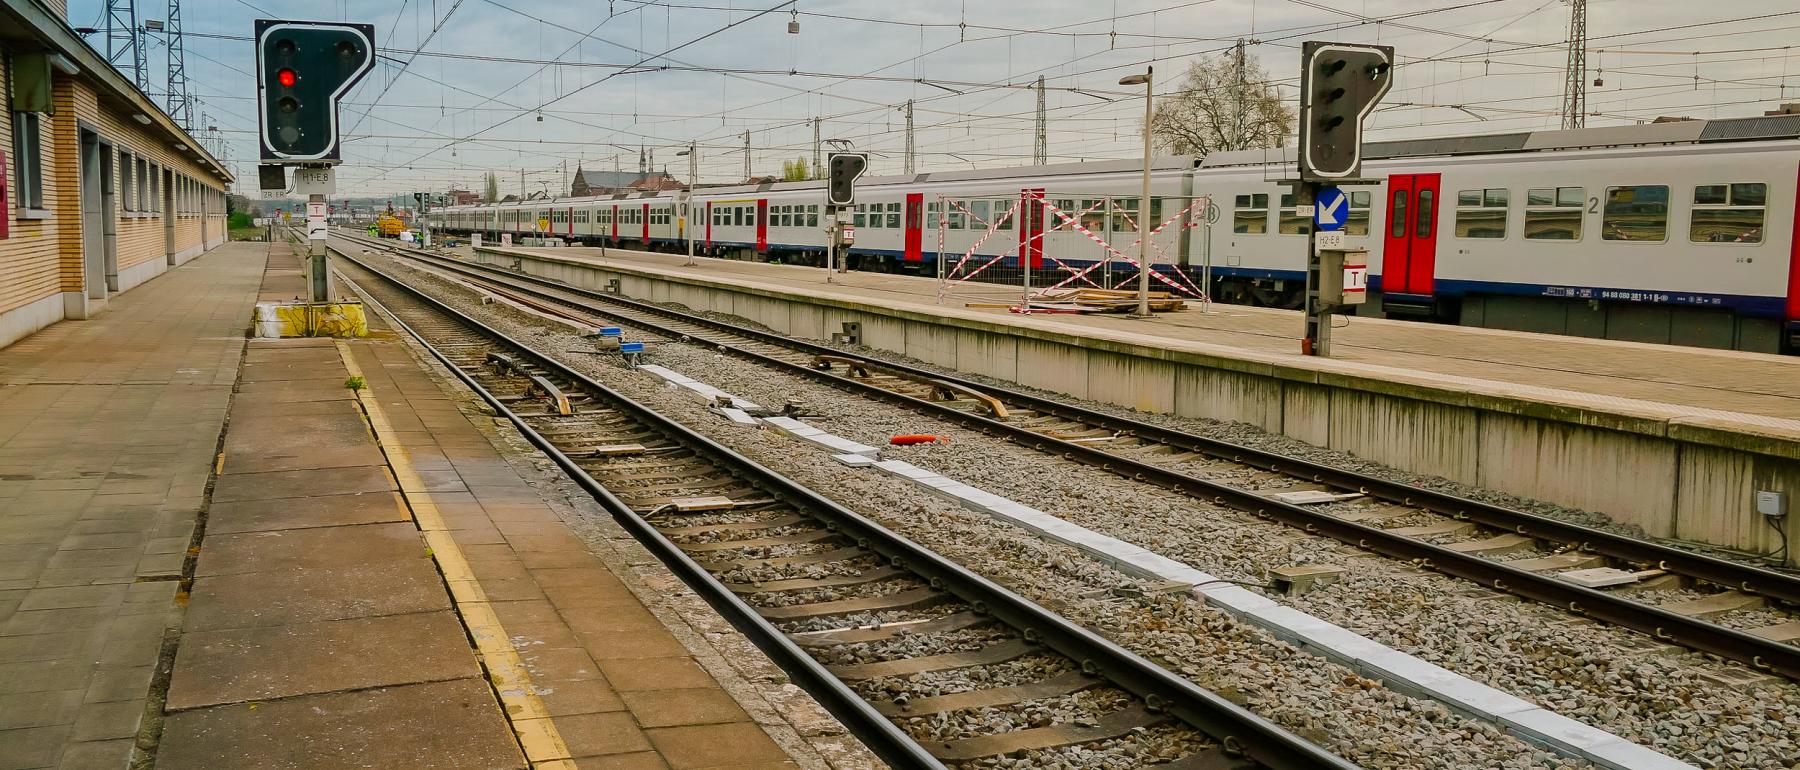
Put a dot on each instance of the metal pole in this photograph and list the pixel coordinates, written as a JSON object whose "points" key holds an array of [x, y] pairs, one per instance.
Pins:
{"points": [[1316, 339], [1143, 308], [831, 243], [1206, 297], [693, 181], [1030, 206]]}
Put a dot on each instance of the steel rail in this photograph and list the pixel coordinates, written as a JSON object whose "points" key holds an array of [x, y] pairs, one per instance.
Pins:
{"points": [[1662, 625], [1236, 728]]}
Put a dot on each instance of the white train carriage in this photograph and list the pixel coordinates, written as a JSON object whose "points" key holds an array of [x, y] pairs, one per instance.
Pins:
{"points": [[903, 222], [1676, 232], [1673, 232]]}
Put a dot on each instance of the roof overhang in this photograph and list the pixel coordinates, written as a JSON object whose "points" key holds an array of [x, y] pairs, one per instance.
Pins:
{"points": [[32, 22]]}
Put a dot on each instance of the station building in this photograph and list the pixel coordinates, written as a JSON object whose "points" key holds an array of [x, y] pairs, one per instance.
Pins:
{"points": [[102, 191]]}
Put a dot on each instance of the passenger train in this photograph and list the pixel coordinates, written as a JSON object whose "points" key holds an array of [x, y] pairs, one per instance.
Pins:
{"points": [[1678, 232]]}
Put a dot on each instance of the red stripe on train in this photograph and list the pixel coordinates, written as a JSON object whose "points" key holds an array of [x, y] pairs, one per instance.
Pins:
{"points": [[1793, 303]]}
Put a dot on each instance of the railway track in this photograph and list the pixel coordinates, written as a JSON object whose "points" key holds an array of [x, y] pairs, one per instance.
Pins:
{"points": [[1465, 538], [928, 663]]}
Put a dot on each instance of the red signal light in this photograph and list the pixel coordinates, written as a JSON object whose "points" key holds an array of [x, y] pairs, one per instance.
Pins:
{"points": [[286, 78]]}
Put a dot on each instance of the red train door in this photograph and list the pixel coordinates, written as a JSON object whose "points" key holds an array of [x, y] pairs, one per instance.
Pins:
{"points": [[571, 222], [1793, 299], [615, 224], [1031, 227], [709, 224], [762, 225], [914, 220], [1409, 259], [646, 218]]}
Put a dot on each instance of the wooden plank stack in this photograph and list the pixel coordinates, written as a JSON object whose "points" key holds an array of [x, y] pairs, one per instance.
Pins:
{"points": [[1090, 301]]}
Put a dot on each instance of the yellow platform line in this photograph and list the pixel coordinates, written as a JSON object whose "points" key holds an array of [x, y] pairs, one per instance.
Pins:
{"points": [[531, 724]]}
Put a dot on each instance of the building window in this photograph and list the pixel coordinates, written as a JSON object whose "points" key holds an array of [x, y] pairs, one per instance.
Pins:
{"points": [[27, 151], [1290, 221], [1251, 215], [1481, 213], [1729, 213], [1554, 213], [1636, 213], [127, 198], [143, 185]]}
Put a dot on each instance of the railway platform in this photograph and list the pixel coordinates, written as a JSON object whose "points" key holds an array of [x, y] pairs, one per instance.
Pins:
{"points": [[1674, 440], [219, 555]]}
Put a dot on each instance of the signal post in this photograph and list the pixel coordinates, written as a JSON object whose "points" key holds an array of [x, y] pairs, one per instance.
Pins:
{"points": [[844, 168], [1340, 83], [303, 69]]}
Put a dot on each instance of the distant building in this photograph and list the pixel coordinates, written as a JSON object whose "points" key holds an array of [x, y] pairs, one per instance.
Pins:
{"points": [[1791, 108], [463, 197], [610, 182]]}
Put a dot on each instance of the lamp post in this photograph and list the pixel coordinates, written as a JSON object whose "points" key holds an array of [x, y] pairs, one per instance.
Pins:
{"points": [[687, 225], [1143, 308]]}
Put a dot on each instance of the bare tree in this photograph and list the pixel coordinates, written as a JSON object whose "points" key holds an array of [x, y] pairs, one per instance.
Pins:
{"points": [[492, 183], [1226, 103]]}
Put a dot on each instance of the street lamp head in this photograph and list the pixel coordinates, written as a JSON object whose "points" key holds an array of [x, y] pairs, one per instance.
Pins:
{"points": [[1134, 80]]}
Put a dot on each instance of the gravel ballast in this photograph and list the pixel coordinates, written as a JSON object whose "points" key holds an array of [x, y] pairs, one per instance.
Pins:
{"points": [[1534, 652]]}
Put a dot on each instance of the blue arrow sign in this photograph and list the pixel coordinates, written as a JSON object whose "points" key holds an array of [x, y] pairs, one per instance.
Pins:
{"points": [[1330, 208]]}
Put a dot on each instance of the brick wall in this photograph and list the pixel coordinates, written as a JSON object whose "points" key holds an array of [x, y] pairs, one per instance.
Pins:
{"points": [[42, 257]]}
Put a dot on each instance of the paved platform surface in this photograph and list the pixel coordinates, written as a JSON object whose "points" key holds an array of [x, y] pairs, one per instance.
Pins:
{"points": [[374, 585], [1763, 389], [377, 587], [108, 429]]}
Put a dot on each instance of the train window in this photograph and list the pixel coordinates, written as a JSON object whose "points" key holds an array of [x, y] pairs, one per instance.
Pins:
{"points": [[1291, 222], [1397, 214], [1554, 214], [1636, 213], [1427, 212], [979, 215], [859, 216], [812, 215], [933, 219], [1251, 214], [1124, 213], [1728, 213], [1481, 214], [893, 216], [1358, 221], [1055, 221]]}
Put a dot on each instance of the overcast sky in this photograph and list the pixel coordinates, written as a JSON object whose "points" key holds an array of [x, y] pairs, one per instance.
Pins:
{"points": [[1467, 66]]}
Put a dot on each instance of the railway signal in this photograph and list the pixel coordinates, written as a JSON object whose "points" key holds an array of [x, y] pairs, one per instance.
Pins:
{"points": [[1339, 86], [846, 168], [303, 68]]}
